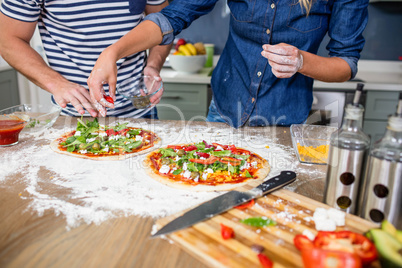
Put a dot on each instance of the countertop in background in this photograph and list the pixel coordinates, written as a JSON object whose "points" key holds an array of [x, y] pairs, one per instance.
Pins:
{"points": [[376, 75]]}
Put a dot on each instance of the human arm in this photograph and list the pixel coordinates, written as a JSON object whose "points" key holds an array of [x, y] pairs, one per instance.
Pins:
{"points": [[286, 60], [154, 30], [15, 36]]}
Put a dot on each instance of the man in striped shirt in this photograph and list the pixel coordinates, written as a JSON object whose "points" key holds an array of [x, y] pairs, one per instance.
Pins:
{"points": [[73, 34]]}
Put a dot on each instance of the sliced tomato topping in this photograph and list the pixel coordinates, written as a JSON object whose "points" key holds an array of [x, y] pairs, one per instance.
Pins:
{"points": [[230, 160], [265, 261], [226, 232], [205, 155], [176, 147], [190, 148]]}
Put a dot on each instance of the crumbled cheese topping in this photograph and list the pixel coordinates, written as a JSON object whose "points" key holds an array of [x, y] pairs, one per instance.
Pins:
{"points": [[187, 174], [77, 133], [83, 151], [90, 140], [138, 138], [164, 169]]}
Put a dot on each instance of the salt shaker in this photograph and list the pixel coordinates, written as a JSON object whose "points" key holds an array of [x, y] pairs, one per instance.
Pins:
{"points": [[382, 197], [347, 154]]}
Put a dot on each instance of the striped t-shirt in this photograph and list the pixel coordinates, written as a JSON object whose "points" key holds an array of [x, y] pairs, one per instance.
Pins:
{"points": [[74, 33]]}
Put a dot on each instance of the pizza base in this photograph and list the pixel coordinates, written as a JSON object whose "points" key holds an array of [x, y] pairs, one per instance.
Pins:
{"points": [[261, 174], [54, 145]]}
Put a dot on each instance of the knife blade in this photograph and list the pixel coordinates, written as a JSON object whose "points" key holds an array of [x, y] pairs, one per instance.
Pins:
{"points": [[225, 202]]}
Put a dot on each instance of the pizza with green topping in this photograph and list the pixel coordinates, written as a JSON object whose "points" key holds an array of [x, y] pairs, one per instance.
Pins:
{"points": [[205, 167], [91, 140]]}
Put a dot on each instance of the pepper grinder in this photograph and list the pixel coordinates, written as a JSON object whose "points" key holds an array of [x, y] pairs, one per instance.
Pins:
{"points": [[382, 197], [347, 153]]}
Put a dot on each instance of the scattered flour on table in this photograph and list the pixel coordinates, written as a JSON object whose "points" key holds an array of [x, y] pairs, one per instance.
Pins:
{"points": [[87, 191]]}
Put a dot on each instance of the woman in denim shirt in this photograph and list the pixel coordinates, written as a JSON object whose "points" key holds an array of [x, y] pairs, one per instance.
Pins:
{"points": [[248, 88]]}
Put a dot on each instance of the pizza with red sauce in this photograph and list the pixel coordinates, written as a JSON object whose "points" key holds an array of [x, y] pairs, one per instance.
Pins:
{"points": [[92, 140], [205, 167]]}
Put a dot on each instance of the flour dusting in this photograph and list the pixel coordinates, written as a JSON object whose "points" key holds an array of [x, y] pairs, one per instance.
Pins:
{"points": [[90, 192]]}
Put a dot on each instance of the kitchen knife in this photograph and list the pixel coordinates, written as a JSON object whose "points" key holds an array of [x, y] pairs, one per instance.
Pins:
{"points": [[225, 202]]}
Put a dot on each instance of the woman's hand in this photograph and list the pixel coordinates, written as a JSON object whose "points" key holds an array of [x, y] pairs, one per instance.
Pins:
{"points": [[154, 72], [104, 72], [285, 60]]}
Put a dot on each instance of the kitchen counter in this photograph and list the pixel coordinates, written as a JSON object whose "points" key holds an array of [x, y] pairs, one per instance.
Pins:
{"points": [[35, 235], [377, 75]]}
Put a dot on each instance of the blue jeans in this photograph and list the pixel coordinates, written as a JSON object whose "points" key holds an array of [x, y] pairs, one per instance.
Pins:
{"points": [[213, 114]]}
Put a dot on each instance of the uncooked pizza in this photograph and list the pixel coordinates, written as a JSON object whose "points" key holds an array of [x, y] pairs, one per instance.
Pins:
{"points": [[92, 140], [205, 167]]}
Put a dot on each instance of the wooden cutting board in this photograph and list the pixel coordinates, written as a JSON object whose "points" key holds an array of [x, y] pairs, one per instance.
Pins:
{"points": [[293, 214]]}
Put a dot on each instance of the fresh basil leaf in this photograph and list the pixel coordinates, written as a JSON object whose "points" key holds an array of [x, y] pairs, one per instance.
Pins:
{"points": [[192, 167], [119, 126], [70, 139], [221, 153], [167, 152], [231, 168], [70, 148], [200, 146], [258, 222], [116, 150], [134, 132], [177, 171], [248, 175]]}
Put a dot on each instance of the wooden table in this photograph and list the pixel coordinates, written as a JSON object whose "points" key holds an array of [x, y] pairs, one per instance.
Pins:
{"points": [[28, 240]]}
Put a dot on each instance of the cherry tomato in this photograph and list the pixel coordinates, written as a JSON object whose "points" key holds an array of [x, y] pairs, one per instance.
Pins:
{"points": [[265, 261], [227, 232], [108, 98]]}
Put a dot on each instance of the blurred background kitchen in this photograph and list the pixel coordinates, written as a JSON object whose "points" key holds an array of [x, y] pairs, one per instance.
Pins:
{"points": [[380, 68]]}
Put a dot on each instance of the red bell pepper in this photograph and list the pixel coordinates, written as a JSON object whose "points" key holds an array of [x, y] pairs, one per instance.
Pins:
{"points": [[302, 242], [216, 145], [246, 205], [175, 147], [210, 160], [190, 148], [110, 132], [201, 154], [230, 160], [361, 245], [108, 98], [265, 261], [242, 151], [233, 149], [321, 258], [227, 232]]}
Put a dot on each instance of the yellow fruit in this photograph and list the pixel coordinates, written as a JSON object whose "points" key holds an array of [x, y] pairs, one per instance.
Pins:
{"points": [[183, 49], [200, 48], [192, 49]]}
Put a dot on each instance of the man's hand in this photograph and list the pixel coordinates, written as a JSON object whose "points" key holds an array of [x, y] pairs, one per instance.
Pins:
{"points": [[285, 60], [75, 94]]}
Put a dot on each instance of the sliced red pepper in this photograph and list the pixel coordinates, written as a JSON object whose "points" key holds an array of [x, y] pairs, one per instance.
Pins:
{"points": [[320, 258], [242, 151], [302, 242], [123, 132], [201, 154], [226, 232], [210, 160], [246, 205], [233, 149], [230, 160], [190, 148], [110, 132], [108, 98], [224, 147], [265, 261], [362, 246]]}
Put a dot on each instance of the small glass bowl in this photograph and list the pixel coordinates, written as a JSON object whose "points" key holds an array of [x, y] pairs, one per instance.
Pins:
{"points": [[311, 142], [12, 121], [42, 116], [140, 90]]}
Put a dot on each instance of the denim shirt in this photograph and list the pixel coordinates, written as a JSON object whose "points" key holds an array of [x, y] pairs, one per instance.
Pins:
{"points": [[244, 87]]}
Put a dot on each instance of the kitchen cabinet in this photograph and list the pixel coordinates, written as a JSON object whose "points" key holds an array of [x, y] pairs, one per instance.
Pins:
{"points": [[184, 101], [8, 88], [379, 105]]}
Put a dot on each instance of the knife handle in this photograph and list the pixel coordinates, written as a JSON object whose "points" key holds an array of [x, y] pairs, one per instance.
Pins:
{"points": [[277, 182]]}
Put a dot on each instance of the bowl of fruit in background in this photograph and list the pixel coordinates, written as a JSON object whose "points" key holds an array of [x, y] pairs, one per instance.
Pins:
{"points": [[188, 57]]}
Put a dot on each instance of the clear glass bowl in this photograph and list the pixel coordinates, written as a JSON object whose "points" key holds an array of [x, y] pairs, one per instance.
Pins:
{"points": [[140, 90], [42, 116], [12, 121], [311, 142]]}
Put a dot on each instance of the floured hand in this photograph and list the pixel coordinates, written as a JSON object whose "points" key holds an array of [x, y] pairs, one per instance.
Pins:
{"points": [[78, 96], [285, 60]]}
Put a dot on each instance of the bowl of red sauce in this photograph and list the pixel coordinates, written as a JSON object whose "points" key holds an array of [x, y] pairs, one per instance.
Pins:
{"points": [[12, 121]]}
